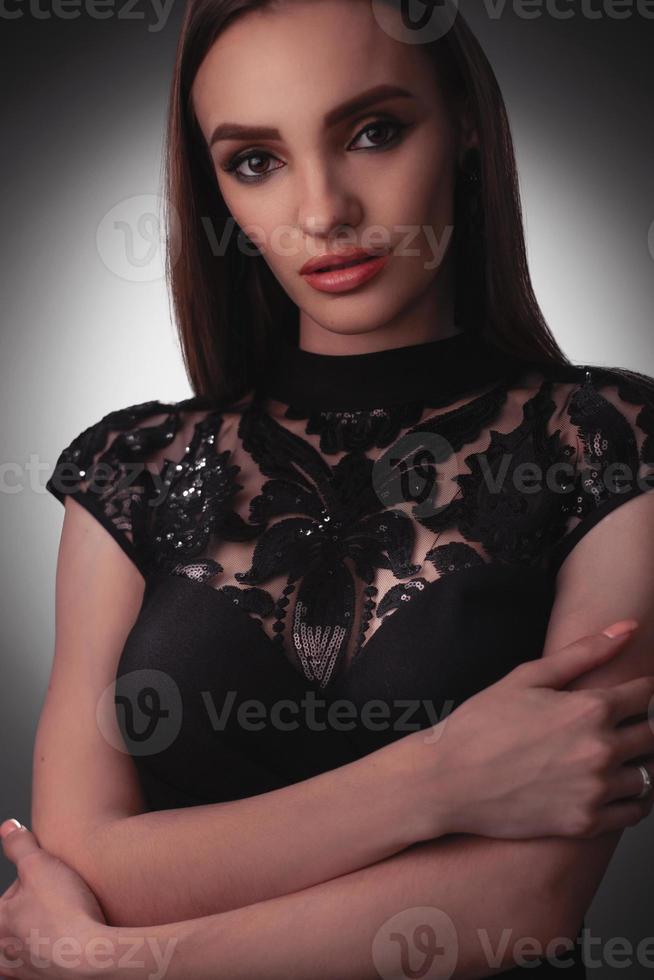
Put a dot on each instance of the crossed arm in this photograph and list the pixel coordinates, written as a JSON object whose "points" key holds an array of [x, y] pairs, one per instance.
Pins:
{"points": [[538, 888], [467, 906]]}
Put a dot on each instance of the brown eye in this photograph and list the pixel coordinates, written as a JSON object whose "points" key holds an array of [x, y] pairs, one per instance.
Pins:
{"points": [[382, 126], [259, 158], [377, 128], [258, 168]]}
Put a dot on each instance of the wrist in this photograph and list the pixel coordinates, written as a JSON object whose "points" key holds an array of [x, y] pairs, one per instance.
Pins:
{"points": [[143, 951], [434, 799], [99, 953]]}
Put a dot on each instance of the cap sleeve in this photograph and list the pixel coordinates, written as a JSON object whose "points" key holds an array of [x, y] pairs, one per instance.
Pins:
{"points": [[109, 468], [608, 423]]}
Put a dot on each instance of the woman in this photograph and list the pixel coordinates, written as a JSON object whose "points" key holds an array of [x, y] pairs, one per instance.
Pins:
{"points": [[378, 500]]}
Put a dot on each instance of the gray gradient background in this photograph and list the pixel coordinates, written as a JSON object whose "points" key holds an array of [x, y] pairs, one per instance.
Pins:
{"points": [[84, 103]]}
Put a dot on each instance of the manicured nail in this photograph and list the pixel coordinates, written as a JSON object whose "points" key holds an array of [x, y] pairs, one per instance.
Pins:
{"points": [[620, 628], [6, 830]]}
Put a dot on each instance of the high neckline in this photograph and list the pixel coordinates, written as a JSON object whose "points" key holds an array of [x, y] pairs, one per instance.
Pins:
{"points": [[433, 373]]}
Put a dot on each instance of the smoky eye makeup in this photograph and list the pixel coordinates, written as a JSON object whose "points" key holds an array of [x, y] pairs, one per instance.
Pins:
{"points": [[387, 123]]}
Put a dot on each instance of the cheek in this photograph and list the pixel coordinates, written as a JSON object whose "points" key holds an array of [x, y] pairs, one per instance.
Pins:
{"points": [[416, 192], [250, 212], [429, 212]]}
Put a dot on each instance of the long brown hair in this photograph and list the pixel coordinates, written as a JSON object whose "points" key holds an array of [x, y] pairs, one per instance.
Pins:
{"points": [[228, 307]]}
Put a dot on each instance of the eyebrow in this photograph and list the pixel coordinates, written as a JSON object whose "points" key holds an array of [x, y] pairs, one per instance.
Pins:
{"points": [[235, 131]]}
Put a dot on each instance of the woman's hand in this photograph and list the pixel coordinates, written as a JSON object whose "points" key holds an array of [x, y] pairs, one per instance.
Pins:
{"points": [[524, 759], [50, 920]]}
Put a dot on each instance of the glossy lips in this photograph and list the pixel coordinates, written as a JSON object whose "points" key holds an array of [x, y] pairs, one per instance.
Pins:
{"points": [[362, 267]]}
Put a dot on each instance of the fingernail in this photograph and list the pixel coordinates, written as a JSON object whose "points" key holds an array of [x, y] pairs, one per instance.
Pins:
{"points": [[620, 628], [10, 829]]}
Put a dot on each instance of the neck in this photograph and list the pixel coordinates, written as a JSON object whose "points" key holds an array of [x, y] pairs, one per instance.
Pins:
{"points": [[433, 373]]}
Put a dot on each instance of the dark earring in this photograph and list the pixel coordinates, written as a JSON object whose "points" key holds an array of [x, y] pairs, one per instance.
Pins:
{"points": [[469, 245]]}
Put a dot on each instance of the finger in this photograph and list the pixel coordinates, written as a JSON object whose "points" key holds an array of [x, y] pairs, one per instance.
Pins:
{"points": [[8, 826], [633, 740], [561, 667], [19, 844], [617, 816], [633, 697], [627, 782]]}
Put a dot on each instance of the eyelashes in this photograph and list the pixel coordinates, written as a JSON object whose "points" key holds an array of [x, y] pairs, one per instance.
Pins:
{"points": [[381, 122]]}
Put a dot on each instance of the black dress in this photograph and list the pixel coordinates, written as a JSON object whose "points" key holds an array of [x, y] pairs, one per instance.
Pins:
{"points": [[383, 528]]}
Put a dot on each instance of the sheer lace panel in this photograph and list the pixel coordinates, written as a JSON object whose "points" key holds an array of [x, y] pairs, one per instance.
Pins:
{"points": [[320, 525], [607, 419], [113, 468]]}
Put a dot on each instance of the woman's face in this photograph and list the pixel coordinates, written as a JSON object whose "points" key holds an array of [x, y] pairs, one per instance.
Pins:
{"points": [[380, 178]]}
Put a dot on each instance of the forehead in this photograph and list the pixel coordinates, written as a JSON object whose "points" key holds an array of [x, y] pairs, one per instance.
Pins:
{"points": [[301, 58]]}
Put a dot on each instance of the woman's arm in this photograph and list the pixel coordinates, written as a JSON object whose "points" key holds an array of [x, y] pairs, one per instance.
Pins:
{"points": [[167, 856], [609, 573], [468, 904], [182, 863]]}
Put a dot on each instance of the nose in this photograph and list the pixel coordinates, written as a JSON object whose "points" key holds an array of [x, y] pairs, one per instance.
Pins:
{"points": [[327, 205]]}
